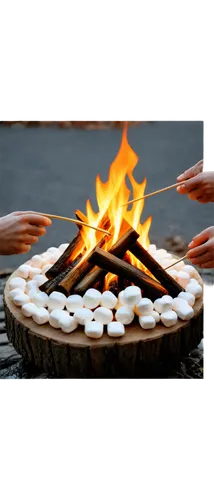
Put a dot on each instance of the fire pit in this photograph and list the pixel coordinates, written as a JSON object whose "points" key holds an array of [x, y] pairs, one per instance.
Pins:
{"points": [[105, 306]]}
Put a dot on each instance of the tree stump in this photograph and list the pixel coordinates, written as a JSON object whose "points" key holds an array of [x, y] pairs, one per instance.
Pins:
{"points": [[139, 353]]}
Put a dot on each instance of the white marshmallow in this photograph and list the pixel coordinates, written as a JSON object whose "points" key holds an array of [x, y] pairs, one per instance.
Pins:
{"points": [[34, 271], [183, 278], [179, 266], [40, 279], [91, 299], [67, 323], [173, 273], [46, 268], [190, 270], [195, 289], [63, 247], [21, 298], [115, 329], [193, 281], [14, 292], [94, 329], [103, 315], [145, 306], [155, 315], [56, 316], [52, 250], [83, 315], [168, 256], [178, 302], [165, 263], [169, 318], [37, 261], [189, 297], [41, 316], [161, 252], [54, 256], [74, 302], [147, 322], [17, 283], [108, 300], [185, 312], [125, 315], [29, 309], [152, 249], [23, 271], [132, 295], [39, 298], [31, 285], [121, 298], [164, 304], [56, 300]]}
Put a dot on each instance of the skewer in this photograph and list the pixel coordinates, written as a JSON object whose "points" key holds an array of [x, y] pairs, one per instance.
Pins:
{"points": [[76, 221], [172, 265], [153, 193]]}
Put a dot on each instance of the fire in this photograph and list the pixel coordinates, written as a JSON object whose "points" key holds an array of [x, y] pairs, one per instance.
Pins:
{"points": [[111, 195]]}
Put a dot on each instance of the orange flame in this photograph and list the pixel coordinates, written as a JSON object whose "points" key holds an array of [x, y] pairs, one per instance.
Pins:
{"points": [[111, 195]]}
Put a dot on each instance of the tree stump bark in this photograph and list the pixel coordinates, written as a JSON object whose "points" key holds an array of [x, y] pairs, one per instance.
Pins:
{"points": [[139, 353]]}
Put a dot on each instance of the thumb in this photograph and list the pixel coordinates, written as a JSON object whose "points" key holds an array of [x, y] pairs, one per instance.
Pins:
{"points": [[199, 239], [191, 172]]}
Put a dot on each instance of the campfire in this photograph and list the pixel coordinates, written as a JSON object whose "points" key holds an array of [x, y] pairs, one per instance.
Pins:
{"points": [[107, 279]]}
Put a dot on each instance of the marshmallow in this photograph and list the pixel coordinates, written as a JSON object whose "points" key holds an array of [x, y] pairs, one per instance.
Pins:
{"points": [[74, 302], [169, 318], [173, 273], [46, 268], [31, 285], [132, 295], [54, 256], [185, 312], [23, 271], [94, 329], [56, 316], [108, 300], [14, 292], [195, 289], [190, 270], [41, 316], [152, 249], [164, 304], [52, 250], [37, 261], [21, 298], [161, 252], [120, 300], [155, 315], [115, 329], [56, 300], [29, 309], [125, 315], [166, 262], [189, 297], [91, 299], [145, 306], [63, 247], [39, 298], [40, 279], [147, 322], [17, 283], [33, 271], [83, 315], [193, 281], [179, 265], [67, 323], [183, 278], [178, 302], [103, 315]]}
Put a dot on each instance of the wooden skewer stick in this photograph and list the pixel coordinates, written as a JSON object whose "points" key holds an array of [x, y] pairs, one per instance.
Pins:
{"points": [[76, 221], [172, 265], [153, 193]]}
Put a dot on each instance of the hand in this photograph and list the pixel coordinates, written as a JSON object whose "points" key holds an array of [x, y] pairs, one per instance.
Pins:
{"points": [[20, 230], [191, 172], [200, 187], [202, 249]]}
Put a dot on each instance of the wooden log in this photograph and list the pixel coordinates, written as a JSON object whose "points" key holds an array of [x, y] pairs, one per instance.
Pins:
{"points": [[117, 266], [52, 285], [64, 259], [97, 274], [113, 286], [74, 275], [155, 268]]}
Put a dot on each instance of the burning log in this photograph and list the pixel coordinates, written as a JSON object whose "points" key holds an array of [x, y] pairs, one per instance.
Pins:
{"points": [[97, 274], [62, 263], [113, 286], [52, 285], [155, 268], [113, 264]]}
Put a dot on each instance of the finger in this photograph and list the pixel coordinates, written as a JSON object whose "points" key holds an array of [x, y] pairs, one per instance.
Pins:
{"points": [[191, 172], [189, 185], [195, 194], [200, 238], [36, 230], [36, 219], [198, 250], [208, 265], [201, 259], [23, 248], [29, 239]]}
